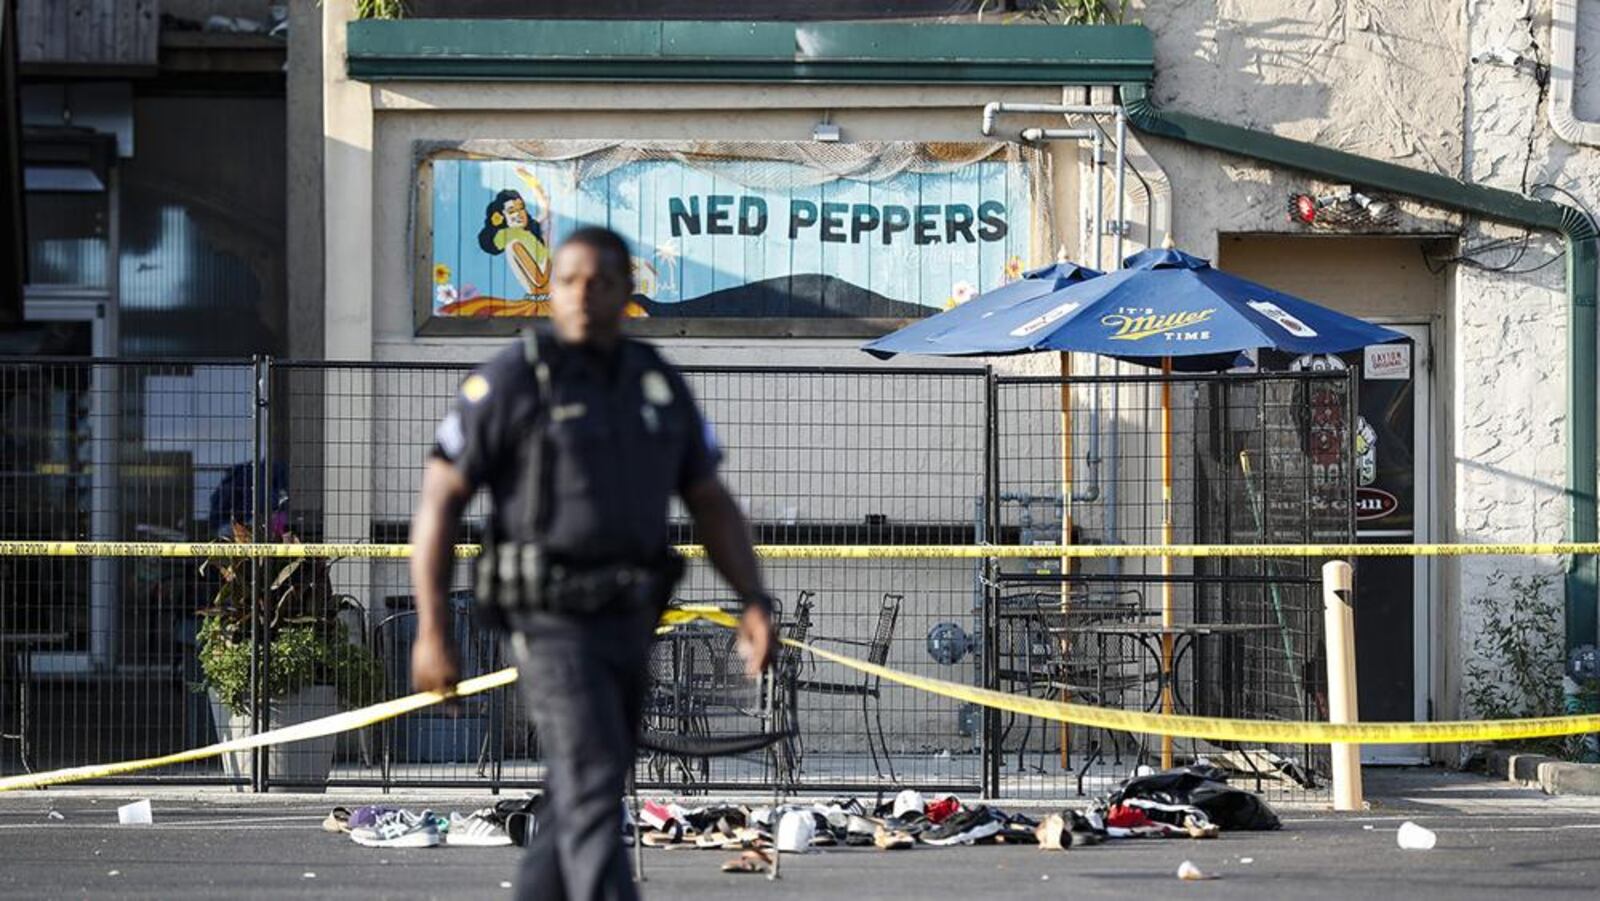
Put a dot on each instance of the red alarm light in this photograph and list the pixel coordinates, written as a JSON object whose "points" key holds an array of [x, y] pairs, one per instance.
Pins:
{"points": [[1303, 209]]}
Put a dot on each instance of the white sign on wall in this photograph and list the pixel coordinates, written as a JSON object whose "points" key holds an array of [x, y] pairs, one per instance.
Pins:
{"points": [[1388, 361]]}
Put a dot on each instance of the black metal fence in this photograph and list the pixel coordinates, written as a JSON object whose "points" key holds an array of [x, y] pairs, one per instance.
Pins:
{"points": [[107, 658]]}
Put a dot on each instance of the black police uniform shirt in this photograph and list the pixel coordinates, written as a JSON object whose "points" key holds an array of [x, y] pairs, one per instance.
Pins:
{"points": [[623, 434]]}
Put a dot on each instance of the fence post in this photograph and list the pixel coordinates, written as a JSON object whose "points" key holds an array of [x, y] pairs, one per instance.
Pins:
{"points": [[991, 594], [1338, 620], [260, 532]]}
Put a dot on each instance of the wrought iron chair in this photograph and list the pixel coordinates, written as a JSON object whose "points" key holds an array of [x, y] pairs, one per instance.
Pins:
{"points": [[868, 688], [787, 755]]}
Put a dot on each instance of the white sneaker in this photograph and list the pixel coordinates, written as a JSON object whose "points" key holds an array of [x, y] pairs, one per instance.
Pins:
{"points": [[399, 829], [478, 829]]}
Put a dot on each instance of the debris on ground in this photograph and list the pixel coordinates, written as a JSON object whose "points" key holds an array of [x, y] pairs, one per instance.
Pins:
{"points": [[1188, 872], [136, 814], [1194, 802], [753, 861], [1412, 837]]}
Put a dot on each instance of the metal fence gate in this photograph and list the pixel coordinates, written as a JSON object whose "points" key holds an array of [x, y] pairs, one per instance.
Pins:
{"points": [[106, 658]]}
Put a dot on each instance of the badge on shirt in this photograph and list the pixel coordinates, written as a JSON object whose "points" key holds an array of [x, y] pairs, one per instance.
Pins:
{"points": [[475, 388], [656, 389]]}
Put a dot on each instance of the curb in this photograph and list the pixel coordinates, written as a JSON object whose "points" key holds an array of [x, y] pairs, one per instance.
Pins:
{"points": [[1552, 776]]}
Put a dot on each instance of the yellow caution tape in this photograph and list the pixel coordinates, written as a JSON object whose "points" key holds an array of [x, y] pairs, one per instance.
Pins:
{"points": [[328, 725], [1207, 727], [822, 551], [1178, 726]]}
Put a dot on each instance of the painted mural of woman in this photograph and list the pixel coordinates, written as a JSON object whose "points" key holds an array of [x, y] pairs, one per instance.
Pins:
{"points": [[510, 228]]}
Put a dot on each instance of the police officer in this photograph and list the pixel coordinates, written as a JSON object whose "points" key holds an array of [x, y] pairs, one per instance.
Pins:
{"points": [[581, 436]]}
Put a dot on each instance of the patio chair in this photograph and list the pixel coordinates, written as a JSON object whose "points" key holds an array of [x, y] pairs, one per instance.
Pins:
{"points": [[787, 755], [779, 738], [867, 689]]}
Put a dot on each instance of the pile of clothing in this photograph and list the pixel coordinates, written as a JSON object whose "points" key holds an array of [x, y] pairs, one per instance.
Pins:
{"points": [[383, 826], [1193, 801]]}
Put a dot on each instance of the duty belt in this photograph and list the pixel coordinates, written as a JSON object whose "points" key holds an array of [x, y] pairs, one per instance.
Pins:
{"points": [[517, 577]]}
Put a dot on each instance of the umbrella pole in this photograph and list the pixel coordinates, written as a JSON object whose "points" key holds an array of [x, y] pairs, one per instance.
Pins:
{"points": [[1168, 620], [1066, 534]]}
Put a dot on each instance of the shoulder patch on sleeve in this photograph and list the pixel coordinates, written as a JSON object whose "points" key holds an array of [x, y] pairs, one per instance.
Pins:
{"points": [[475, 388], [452, 441]]}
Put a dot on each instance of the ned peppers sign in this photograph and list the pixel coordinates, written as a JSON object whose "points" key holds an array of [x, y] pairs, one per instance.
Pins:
{"points": [[733, 238]]}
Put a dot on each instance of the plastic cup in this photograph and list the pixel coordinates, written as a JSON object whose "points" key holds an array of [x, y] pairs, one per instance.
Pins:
{"points": [[1412, 837], [136, 814]]}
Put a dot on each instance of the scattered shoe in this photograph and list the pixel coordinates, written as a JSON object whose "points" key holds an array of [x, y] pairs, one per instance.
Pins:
{"points": [[1017, 829], [1198, 826], [908, 801], [942, 809], [892, 839], [860, 831], [964, 828], [797, 829], [367, 815], [670, 837], [338, 820], [1053, 834], [1084, 830], [752, 861], [399, 829], [479, 829]]}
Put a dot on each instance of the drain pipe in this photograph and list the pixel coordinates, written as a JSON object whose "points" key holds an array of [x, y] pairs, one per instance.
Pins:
{"points": [[1564, 119], [1097, 144], [992, 110], [1582, 242]]}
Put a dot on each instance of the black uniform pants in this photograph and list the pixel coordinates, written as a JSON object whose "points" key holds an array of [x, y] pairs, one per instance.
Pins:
{"points": [[584, 679]]}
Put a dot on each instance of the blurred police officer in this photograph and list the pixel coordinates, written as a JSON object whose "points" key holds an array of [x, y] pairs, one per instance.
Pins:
{"points": [[582, 436]]}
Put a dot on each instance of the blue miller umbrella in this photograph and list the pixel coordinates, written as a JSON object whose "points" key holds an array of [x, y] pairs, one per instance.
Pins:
{"points": [[1165, 304], [981, 326], [1163, 308]]}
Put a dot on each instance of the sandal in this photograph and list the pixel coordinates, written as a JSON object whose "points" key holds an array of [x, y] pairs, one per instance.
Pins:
{"points": [[892, 839], [338, 820], [670, 838], [1053, 834], [753, 861]]}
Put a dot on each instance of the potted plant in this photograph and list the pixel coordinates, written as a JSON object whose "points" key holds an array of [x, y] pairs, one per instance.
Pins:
{"points": [[312, 668]]}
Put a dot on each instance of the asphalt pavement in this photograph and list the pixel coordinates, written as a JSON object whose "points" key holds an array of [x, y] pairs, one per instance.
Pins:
{"points": [[1494, 841]]}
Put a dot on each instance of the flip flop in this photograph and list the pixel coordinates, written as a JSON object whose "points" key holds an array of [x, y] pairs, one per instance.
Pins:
{"points": [[673, 838], [750, 862], [892, 839], [338, 820], [1053, 834]]}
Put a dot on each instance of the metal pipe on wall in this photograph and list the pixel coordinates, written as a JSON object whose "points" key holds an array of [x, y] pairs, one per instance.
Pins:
{"points": [[993, 109]]}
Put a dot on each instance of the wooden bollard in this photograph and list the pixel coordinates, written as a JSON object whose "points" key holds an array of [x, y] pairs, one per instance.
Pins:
{"points": [[1338, 622]]}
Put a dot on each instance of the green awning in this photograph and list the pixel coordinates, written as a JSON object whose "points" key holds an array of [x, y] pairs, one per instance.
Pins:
{"points": [[852, 52]]}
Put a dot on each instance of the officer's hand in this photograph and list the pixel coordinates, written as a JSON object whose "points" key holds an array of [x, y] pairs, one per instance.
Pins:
{"points": [[756, 640], [433, 663]]}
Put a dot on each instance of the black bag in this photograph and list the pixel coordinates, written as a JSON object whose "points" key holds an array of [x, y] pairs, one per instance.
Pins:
{"points": [[1207, 788]]}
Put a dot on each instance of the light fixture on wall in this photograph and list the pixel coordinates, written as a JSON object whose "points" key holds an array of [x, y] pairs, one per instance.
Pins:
{"points": [[1511, 59], [826, 132], [1344, 208]]}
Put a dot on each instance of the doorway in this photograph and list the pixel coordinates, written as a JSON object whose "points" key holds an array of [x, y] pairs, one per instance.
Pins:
{"points": [[1384, 280]]}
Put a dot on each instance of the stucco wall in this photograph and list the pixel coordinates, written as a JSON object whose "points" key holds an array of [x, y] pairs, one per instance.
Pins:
{"points": [[1511, 466], [1393, 81]]}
